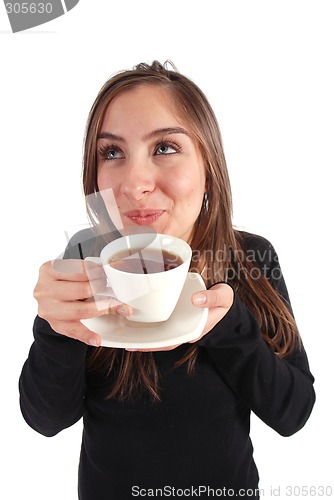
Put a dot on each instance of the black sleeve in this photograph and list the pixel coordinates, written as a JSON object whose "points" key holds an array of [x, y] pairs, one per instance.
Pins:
{"points": [[278, 390], [52, 382]]}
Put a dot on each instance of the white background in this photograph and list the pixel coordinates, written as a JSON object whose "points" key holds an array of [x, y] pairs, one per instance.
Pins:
{"points": [[267, 68]]}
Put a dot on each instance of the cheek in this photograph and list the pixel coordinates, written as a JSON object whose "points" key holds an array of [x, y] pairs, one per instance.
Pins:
{"points": [[189, 188], [105, 180], [102, 180]]}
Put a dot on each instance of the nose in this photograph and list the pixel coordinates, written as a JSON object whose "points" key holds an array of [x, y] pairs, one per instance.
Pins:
{"points": [[139, 180]]}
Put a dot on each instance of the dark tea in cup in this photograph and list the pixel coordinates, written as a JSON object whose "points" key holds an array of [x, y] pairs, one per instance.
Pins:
{"points": [[148, 261], [135, 266]]}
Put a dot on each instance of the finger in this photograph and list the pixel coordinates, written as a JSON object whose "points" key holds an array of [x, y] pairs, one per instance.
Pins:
{"points": [[111, 306], [77, 310], [94, 271], [92, 308], [73, 270], [75, 290], [77, 331], [220, 295]]}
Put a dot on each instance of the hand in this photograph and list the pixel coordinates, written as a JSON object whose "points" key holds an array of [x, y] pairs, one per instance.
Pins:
{"points": [[67, 291], [218, 299]]}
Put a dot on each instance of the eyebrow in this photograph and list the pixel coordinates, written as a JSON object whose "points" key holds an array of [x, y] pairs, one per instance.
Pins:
{"points": [[166, 130], [150, 135]]}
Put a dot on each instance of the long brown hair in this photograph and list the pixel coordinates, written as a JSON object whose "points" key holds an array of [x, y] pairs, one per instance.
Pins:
{"points": [[213, 234]]}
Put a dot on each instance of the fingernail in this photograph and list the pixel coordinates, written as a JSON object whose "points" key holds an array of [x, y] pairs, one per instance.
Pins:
{"points": [[93, 342], [123, 310], [199, 299]]}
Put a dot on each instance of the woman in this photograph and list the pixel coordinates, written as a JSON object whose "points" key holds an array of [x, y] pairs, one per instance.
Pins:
{"points": [[178, 418]]}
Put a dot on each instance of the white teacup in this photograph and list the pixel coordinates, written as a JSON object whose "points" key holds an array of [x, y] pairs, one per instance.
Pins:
{"points": [[136, 265]]}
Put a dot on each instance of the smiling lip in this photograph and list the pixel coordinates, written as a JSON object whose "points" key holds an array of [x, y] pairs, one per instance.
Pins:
{"points": [[144, 217]]}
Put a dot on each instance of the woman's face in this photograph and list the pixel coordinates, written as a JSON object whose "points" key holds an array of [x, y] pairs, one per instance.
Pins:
{"points": [[147, 156]]}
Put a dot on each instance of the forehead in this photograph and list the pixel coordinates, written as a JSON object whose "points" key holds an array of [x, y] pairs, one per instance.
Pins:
{"points": [[143, 106]]}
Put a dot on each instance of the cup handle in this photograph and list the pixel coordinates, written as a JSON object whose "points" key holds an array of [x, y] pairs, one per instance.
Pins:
{"points": [[97, 260], [108, 291]]}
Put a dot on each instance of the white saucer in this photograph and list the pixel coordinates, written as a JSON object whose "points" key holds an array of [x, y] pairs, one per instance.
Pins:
{"points": [[185, 324]]}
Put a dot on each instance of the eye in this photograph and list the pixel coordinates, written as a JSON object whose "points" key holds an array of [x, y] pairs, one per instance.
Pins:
{"points": [[110, 153], [167, 148]]}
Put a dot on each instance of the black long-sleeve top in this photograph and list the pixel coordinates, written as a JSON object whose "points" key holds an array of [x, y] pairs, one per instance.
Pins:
{"points": [[196, 439]]}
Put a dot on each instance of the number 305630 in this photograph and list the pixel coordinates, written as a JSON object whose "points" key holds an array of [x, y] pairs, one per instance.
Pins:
{"points": [[29, 8]]}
